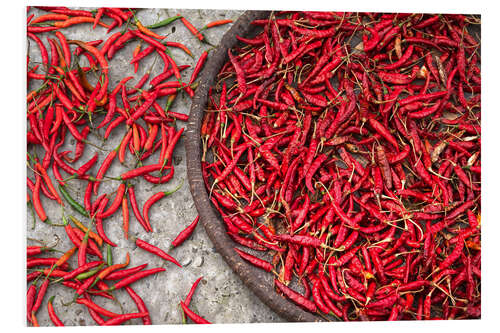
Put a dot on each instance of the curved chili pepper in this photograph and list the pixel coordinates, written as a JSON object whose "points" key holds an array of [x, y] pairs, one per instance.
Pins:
{"points": [[52, 314], [142, 54], [81, 269], [33, 262], [116, 202], [167, 156], [143, 108], [141, 306], [155, 250], [102, 62], [198, 67], [39, 297], [146, 31], [134, 277], [72, 202], [295, 297], [120, 274], [77, 20], [149, 40], [124, 317], [96, 307], [193, 316], [30, 299], [255, 261], [184, 234], [98, 222], [216, 24], [240, 74], [191, 28], [370, 44], [312, 170], [37, 204]]}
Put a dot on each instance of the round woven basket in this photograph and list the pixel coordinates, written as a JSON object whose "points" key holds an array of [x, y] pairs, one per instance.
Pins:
{"points": [[260, 282]]}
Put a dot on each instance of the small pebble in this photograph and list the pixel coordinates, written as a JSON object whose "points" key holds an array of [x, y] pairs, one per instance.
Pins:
{"points": [[198, 261], [186, 261]]}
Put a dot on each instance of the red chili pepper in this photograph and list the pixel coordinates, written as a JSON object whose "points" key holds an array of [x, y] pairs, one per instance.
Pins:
{"points": [[198, 67], [268, 267], [191, 28], [295, 297], [81, 269], [369, 45], [33, 262], [134, 277], [77, 20], [240, 74], [98, 222], [157, 251], [37, 204], [167, 156], [304, 48], [65, 48], [379, 128], [96, 307], [43, 50], [141, 306], [189, 296], [52, 314], [135, 208], [184, 234], [312, 170], [193, 316], [303, 240], [123, 273], [47, 180], [116, 203], [143, 108], [40, 296], [124, 317], [216, 24], [30, 299]]}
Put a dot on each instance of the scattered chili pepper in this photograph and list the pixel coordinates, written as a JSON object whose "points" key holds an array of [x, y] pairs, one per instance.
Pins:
{"points": [[184, 234], [155, 250], [191, 28], [193, 316]]}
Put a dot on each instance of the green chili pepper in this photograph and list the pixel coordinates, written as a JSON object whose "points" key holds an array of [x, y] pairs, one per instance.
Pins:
{"points": [[170, 101], [72, 202], [109, 257], [184, 321], [164, 22], [86, 275], [65, 220]]}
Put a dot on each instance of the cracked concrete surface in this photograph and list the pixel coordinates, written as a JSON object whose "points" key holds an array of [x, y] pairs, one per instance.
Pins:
{"points": [[221, 297]]}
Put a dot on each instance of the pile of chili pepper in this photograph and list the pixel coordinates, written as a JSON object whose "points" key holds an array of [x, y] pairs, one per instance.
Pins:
{"points": [[342, 151], [66, 104]]}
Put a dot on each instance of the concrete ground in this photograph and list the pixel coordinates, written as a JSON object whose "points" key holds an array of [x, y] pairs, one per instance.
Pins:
{"points": [[221, 297]]}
